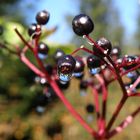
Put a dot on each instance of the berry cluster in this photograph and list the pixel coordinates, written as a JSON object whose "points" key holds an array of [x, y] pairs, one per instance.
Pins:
{"points": [[104, 63]]}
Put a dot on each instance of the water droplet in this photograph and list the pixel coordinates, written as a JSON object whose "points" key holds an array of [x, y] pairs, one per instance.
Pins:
{"points": [[77, 74], [42, 56], [64, 77], [40, 109], [95, 70]]}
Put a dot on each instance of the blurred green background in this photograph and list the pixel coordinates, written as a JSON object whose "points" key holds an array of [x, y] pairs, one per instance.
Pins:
{"points": [[19, 118]]}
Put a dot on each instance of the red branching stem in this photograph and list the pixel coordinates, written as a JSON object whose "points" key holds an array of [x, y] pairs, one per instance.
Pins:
{"points": [[82, 48], [116, 112], [104, 101], [71, 109], [96, 103], [124, 124], [31, 66], [132, 69], [136, 94], [61, 95], [22, 39]]}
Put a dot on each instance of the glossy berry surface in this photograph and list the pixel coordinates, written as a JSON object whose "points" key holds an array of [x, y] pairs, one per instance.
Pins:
{"points": [[105, 44], [63, 85], [42, 17], [93, 61], [115, 51], [66, 65], [90, 108], [79, 68], [82, 25], [34, 30], [130, 61], [43, 50], [58, 54]]}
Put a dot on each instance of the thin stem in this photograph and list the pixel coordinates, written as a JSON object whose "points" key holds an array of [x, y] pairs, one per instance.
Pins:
{"points": [[104, 101], [31, 66], [124, 124], [116, 112], [23, 40], [96, 103], [61, 95]]}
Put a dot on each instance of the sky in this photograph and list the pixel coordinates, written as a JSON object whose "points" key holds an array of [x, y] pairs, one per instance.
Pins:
{"points": [[60, 8]]}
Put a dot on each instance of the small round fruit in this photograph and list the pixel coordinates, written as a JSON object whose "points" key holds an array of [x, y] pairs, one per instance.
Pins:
{"points": [[65, 67], [58, 54], [82, 25], [34, 30], [43, 50], [115, 51], [105, 44], [129, 61], [42, 17], [93, 61], [90, 108]]}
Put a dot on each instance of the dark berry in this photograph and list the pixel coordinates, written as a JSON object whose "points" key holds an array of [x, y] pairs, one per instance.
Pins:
{"points": [[105, 44], [65, 67], [90, 108], [66, 64], [34, 30], [83, 84], [129, 62], [79, 68], [115, 51], [93, 61], [58, 54], [42, 17], [43, 48], [82, 25]]}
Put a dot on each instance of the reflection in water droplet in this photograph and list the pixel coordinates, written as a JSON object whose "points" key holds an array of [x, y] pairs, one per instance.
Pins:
{"points": [[95, 70], [42, 56], [64, 77]]}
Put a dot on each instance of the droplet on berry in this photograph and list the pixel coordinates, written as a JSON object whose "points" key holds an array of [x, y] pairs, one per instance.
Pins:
{"points": [[42, 17], [94, 64], [43, 50], [105, 44], [66, 65], [34, 30], [82, 25]]}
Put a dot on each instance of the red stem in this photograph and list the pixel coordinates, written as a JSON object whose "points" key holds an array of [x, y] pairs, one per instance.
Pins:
{"points": [[23, 40], [96, 103], [124, 124]]}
